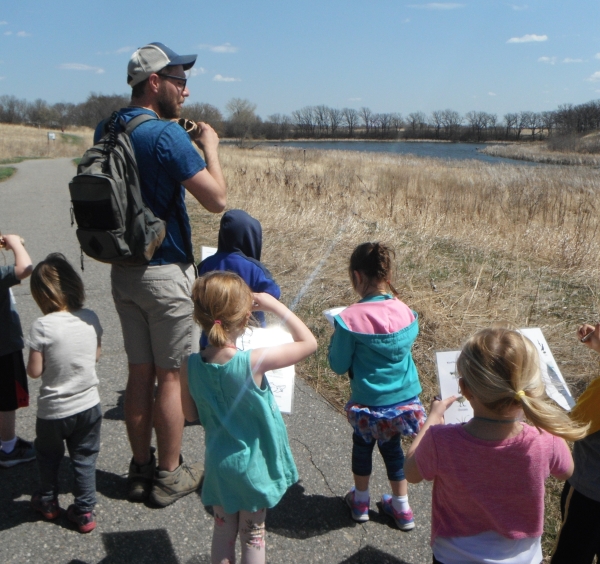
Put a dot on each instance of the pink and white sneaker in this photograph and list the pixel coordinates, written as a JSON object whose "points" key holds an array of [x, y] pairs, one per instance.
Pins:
{"points": [[358, 510], [404, 519]]}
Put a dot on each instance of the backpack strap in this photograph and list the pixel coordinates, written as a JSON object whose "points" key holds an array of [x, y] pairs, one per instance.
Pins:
{"points": [[137, 120]]}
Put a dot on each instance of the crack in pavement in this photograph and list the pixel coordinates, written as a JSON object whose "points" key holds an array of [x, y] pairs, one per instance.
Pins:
{"points": [[316, 467]]}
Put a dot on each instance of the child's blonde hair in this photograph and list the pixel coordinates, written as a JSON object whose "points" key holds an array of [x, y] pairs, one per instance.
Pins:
{"points": [[375, 261], [55, 286], [222, 303], [501, 368]]}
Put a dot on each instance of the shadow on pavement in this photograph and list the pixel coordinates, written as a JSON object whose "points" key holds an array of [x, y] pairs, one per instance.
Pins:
{"points": [[113, 486], [371, 555], [117, 413], [302, 516], [138, 547]]}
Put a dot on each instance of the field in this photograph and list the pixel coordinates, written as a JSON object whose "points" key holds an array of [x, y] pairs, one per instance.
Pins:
{"points": [[475, 244]]}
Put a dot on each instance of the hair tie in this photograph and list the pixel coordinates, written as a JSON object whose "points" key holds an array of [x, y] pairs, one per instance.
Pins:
{"points": [[520, 394], [217, 322]]}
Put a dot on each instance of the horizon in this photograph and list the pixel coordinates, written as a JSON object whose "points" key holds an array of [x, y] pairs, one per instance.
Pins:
{"points": [[389, 57]]}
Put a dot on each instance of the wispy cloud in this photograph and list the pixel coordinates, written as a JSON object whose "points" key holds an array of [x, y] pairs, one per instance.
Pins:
{"points": [[547, 60], [519, 8], [594, 77], [23, 34], [225, 48], [128, 49], [3, 23], [492, 94], [530, 38], [221, 78], [569, 60], [437, 6], [8, 33], [597, 56], [80, 67], [195, 71]]}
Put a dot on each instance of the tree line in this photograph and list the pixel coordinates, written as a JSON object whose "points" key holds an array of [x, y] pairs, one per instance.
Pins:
{"points": [[323, 122]]}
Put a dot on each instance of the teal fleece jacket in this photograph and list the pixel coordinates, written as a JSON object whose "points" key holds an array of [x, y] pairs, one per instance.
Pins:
{"points": [[372, 342]]}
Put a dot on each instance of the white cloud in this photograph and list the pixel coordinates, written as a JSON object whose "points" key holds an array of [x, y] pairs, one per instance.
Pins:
{"points": [[126, 49], [528, 38], [221, 78], [597, 56], [195, 71], [437, 6], [519, 8], [80, 67], [225, 48], [548, 60], [492, 94], [23, 34], [569, 60], [594, 77]]}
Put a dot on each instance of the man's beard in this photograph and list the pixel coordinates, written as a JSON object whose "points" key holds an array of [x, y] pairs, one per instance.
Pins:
{"points": [[168, 108]]}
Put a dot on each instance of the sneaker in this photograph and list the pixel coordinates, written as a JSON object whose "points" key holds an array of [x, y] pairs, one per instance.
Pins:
{"points": [[170, 486], [358, 510], [23, 452], [404, 519], [139, 479], [48, 508], [85, 522]]}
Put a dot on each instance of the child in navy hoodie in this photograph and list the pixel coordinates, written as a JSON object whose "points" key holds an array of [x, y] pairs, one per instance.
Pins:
{"points": [[238, 250]]}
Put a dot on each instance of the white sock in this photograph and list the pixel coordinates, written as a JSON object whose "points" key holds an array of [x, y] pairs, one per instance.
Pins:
{"points": [[9, 446], [361, 497], [400, 503]]}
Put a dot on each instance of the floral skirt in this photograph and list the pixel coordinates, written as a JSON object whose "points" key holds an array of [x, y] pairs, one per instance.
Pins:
{"points": [[383, 422]]}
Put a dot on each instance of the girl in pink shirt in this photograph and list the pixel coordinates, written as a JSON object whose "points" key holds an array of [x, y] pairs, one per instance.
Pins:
{"points": [[488, 474]]}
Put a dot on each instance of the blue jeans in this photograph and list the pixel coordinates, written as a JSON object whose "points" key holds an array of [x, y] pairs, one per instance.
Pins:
{"points": [[391, 451], [81, 432]]}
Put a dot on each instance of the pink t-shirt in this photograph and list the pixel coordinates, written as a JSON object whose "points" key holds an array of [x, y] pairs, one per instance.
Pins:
{"points": [[481, 486]]}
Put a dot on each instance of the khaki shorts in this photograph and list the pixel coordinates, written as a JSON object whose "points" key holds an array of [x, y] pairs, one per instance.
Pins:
{"points": [[155, 307]]}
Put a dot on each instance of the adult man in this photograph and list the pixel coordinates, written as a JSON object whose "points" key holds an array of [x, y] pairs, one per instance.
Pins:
{"points": [[153, 301]]}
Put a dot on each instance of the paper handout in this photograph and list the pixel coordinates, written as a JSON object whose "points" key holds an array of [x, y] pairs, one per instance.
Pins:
{"points": [[282, 380]]}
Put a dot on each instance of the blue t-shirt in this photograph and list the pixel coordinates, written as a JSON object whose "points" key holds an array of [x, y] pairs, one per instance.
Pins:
{"points": [[165, 157], [11, 335]]}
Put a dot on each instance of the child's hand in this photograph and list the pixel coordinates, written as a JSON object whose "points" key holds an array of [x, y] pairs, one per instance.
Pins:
{"points": [[263, 302], [438, 408], [590, 336], [12, 241]]}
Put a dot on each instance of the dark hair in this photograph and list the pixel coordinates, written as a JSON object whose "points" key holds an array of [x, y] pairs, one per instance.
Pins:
{"points": [[56, 286], [138, 90], [375, 261]]}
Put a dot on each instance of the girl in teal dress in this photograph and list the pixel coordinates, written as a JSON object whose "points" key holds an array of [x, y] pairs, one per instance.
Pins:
{"points": [[248, 461]]}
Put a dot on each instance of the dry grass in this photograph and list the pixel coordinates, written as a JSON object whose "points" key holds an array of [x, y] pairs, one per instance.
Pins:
{"points": [[31, 142], [543, 153], [475, 243]]}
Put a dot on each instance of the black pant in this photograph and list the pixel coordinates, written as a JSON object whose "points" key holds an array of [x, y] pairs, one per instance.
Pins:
{"points": [[579, 537]]}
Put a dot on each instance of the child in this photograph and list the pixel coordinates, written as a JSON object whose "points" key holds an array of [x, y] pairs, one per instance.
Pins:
{"points": [[249, 465], [239, 250], [13, 379], [64, 349], [488, 474], [372, 341], [579, 537]]}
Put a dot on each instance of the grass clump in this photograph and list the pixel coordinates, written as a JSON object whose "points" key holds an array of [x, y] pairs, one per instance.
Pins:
{"points": [[6, 172]]}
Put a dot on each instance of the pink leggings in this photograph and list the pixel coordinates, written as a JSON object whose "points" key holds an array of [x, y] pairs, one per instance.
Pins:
{"points": [[251, 528]]}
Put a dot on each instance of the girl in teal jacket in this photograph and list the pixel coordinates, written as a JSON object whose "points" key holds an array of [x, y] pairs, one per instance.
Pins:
{"points": [[372, 342]]}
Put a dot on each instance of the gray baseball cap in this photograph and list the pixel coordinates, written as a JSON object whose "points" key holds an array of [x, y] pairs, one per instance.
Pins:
{"points": [[152, 58]]}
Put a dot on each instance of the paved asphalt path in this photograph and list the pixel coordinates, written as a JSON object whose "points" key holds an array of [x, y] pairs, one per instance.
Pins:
{"points": [[310, 524]]}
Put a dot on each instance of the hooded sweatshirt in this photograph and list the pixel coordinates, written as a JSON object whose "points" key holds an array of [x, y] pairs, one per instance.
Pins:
{"points": [[372, 341]]}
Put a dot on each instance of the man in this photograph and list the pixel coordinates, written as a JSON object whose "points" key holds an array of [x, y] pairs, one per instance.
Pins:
{"points": [[153, 301]]}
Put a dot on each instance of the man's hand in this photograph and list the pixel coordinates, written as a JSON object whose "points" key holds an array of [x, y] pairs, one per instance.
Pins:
{"points": [[206, 138]]}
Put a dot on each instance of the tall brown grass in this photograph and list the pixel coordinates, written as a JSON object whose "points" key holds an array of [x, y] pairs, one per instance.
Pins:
{"points": [[475, 243], [559, 151], [29, 141]]}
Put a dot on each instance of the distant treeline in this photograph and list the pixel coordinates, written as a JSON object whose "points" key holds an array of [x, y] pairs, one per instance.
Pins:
{"points": [[323, 122]]}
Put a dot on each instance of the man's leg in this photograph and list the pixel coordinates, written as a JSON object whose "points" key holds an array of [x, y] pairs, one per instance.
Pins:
{"points": [[139, 408], [168, 418]]}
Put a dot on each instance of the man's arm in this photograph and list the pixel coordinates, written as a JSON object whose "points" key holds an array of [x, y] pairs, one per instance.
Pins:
{"points": [[208, 186]]}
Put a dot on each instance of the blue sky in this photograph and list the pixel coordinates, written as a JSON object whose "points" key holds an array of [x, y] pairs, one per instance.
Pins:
{"points": [[388, 55]]}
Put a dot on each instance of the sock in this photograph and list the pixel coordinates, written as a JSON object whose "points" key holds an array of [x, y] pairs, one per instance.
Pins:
{"points": [[400, 503], [9, 446], [361, 497]]}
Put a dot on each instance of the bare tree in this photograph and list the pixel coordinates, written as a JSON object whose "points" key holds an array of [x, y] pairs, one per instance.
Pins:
{"points": [[367, 117], [510, 122], [451, 120], [350, 118], [437, 120], [417, 121], [304, 120], [241, 117], [335, 120]]}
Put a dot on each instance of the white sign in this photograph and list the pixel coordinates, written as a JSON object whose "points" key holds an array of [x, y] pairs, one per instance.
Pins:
{"points": [[51, 136], [208, 252], [461, 411], [331, 313], [282, 380]]}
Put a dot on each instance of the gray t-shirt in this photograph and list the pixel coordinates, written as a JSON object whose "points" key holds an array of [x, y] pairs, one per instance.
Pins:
{"points": [[586, 477], [11, 335], [68, 341]]}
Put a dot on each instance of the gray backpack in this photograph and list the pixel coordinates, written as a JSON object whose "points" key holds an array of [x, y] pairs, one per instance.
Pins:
{"points": [[114, 224]]}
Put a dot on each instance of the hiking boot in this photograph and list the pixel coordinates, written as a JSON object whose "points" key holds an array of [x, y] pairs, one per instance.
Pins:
{"points": [[404, 519], [170, 486], [49, 508], [23, 452], [358, 510], [85, 521], [139, 479]]}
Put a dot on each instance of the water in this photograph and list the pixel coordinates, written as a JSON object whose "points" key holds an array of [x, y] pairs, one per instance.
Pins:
{"points": [[460, 151]]}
